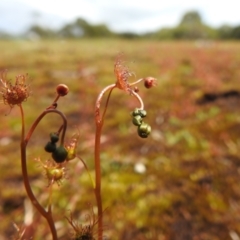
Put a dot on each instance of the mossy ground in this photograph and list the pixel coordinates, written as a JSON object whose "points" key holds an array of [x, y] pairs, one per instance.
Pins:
{"points": [[190, 189]]}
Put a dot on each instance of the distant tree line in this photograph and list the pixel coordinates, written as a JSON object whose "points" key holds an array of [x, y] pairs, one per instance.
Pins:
{"points": [[191, 27]]}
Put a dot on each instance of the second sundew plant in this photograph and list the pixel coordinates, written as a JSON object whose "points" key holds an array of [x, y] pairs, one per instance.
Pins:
{"points": [[62, 151]]}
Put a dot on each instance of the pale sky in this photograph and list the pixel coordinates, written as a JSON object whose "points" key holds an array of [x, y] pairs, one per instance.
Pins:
{"points": [[123, 15]]}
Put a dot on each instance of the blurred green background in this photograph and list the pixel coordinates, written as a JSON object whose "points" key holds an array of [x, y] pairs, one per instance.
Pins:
{"points": [[180, 183]]}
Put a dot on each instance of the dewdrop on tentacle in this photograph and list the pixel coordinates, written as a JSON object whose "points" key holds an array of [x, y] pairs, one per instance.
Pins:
{"points": [[83, 231], [122, 74], [15, 94], [71, 147], [55, 173]]}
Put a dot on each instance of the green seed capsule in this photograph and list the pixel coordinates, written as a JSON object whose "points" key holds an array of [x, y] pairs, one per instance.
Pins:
{"points": [[137, 120], [144, 130], [143, 113], [54, 137], [50, 147], [139, 112], [135, 112], [60, 154]]}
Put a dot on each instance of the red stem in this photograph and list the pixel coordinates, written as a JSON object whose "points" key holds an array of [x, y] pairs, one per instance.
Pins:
{"points": [[98, 179], [24, 141], [99, 124]]}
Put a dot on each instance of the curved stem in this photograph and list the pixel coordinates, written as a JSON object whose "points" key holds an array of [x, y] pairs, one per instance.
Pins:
{"points": [[99, 124], [24, 141], [30, 132], [139, 99], [105, 109], [88, 172], [98, 118], [136, 82]]}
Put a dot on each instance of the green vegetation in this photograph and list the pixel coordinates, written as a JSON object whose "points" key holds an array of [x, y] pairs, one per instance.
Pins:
{"points": [[190, 27], [182, 182]]}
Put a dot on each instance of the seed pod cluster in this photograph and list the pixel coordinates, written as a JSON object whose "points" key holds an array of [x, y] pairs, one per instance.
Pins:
{"points": [[144, 129], [59, 153]]}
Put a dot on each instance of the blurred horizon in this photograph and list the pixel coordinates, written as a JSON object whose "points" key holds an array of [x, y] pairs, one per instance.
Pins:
{"points": [[17, 16]]}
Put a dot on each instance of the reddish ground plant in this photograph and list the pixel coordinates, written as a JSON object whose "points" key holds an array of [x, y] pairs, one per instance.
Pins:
{"points": [[62, 151]]}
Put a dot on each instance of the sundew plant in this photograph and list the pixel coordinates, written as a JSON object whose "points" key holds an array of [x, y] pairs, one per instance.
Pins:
{"points": [[61, 151]]}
